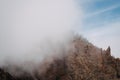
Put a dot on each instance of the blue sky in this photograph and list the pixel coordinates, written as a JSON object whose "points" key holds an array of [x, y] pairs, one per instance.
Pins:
{"points": [[101, 23], [100, 12]]}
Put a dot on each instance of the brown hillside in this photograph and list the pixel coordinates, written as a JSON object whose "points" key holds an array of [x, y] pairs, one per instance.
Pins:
{"points": [[84, 61]]}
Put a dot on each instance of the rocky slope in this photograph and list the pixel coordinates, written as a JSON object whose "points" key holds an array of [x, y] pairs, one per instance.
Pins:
{"points": [[84, 61]]}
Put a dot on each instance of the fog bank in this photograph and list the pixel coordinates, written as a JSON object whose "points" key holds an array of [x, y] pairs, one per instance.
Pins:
{"points": [[31, 30]]}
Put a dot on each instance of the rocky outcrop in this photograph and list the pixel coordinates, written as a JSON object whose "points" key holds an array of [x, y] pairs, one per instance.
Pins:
{"points": [[84, 62]]}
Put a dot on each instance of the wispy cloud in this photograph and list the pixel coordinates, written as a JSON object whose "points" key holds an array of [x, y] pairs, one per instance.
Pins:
{"points": [[101, 24], [102, 11]]}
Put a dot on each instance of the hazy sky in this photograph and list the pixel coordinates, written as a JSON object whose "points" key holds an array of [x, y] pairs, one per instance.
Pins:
{"points": [[101, 23]]}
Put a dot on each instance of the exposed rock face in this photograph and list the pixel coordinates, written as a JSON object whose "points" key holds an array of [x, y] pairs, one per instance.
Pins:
{"points": [[84, 62]]}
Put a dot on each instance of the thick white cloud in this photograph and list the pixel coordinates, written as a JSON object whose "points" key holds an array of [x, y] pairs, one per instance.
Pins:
{"points": [[31, 29]]}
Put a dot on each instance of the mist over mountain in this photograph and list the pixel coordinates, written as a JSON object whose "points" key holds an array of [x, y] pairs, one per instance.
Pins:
{"points": [[82, 61], [32, 30], [39, 40]]}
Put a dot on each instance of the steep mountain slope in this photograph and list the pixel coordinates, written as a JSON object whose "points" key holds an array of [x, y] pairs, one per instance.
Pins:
{"points": [[83, 61]]}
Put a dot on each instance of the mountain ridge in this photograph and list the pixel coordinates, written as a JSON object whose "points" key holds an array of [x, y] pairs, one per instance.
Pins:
{"points": [[83, 61]]}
